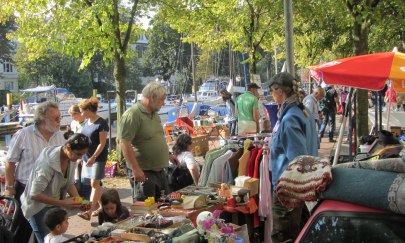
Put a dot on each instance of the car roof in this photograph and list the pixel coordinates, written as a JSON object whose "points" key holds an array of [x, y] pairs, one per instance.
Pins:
{"points": [[333, 205]]}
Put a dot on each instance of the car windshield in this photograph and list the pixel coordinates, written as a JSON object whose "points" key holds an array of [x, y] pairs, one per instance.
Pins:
{"points": [[356, 227]]}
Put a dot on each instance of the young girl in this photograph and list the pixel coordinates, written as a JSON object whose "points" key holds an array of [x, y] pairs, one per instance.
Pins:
{"points": [[111, 208], [57, 221], [182, 151]]}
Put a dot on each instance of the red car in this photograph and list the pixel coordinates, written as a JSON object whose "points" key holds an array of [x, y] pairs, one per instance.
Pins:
{"points": [[336, 221]]}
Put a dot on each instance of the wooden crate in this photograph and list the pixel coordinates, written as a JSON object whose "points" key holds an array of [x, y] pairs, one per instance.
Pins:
{"points": [[200, 144]]}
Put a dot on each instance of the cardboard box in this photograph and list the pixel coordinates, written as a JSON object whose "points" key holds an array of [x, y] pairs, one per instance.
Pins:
{"points": [[200, 144], [253, 185]]}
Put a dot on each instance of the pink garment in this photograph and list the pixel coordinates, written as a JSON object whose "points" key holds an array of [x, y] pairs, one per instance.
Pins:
{"points": [[391, 94], [265, 196]]}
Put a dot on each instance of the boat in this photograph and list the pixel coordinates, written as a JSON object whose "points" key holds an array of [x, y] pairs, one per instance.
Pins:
{"points": [[62, 96], [208, 93], [172, 101]]}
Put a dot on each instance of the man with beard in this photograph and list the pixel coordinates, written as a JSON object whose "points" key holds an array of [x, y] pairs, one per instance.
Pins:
{"points": [[143, 143], [24, 149]]}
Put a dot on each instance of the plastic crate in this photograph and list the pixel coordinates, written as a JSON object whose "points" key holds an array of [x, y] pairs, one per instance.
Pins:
{"points": [[110, 169]]}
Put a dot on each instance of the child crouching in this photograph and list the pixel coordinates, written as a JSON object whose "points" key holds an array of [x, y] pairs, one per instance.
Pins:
{"points": [[112, 209]]}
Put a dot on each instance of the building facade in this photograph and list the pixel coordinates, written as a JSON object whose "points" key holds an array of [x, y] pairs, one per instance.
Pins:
{"points": [[8, 76]]}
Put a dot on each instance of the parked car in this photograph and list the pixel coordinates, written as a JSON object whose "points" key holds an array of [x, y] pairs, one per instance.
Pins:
{"points": [[336, 221]]}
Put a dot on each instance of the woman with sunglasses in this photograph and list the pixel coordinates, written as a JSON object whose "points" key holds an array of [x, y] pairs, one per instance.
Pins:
{"points": [[96, 129], [51, 178]]}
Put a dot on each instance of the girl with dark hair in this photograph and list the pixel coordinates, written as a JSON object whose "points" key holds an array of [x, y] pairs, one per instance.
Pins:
{"points": [[50, 180], [111, 209], [184, 158]]}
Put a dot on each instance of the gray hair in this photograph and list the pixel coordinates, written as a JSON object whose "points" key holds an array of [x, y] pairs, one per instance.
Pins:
{"points": [[153, 89], [42, 109]]}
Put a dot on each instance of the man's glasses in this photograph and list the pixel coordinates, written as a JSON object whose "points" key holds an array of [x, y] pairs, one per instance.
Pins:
{"points": [[56, 119]]}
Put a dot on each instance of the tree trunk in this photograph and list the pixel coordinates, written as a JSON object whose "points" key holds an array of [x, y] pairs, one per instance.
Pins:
{"points": [[361, 30], [252, 62], [119, 76]]}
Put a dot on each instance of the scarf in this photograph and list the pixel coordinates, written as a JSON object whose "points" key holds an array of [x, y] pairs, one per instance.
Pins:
{"points": [[290, 100]]}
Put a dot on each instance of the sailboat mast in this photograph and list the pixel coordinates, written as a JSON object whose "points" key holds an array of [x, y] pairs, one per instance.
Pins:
{"points": [[193, 72]]}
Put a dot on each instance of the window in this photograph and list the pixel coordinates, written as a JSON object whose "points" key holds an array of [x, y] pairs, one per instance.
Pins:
{"points": [[9, 85], [355, 227], [7, 66]]}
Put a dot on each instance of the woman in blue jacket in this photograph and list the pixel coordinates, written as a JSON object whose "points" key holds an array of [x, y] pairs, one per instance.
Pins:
{"points": [[294, 134]]}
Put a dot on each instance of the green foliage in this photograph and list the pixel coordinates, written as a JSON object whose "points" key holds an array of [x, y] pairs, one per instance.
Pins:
{"points": [[164, 49], [80, 29], [52, 69], [6, 46], [246, 25], [112, 155]]}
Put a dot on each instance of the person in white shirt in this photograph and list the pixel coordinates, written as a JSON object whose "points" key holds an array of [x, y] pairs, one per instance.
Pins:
{"points": [[57, 221], [311, 102], [182, 150]]}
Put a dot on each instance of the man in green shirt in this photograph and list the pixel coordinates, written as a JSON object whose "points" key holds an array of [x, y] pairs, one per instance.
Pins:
{"points": [[247, 106], [143, 143]]}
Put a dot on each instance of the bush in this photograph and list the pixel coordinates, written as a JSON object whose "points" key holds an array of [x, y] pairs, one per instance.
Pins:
{"points": [[112, 155]]}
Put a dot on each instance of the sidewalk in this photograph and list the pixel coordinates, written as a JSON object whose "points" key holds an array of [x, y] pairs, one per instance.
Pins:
{"points": [[79, 226]]}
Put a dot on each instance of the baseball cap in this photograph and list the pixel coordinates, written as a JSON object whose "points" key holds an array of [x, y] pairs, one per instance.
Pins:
{"points": [[283, 79], [253, 86]]}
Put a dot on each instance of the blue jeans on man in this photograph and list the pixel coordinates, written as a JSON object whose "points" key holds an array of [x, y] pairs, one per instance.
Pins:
{"points": [[232, 127], [330, 117]]}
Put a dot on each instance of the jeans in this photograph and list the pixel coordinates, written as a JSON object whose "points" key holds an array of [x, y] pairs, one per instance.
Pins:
{"points": [[232, 127], [38, 225], [23, 230], [286, 221], [331, 118], [152, 187]]}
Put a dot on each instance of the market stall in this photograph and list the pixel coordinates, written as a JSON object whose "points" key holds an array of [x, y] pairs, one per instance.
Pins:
{"points": [[369, 72]]}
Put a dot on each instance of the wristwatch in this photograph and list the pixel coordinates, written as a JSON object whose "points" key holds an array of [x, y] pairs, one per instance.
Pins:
{"points": [[9, 187]]}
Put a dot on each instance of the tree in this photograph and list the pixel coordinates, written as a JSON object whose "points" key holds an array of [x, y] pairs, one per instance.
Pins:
{"points": [[53, 69], [80, 29], [6, 46], [245, 25], [363, 13], [163, 48]]}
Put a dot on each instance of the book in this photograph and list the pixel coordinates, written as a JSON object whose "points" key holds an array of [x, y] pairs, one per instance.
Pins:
{"points": [[140, 207]]}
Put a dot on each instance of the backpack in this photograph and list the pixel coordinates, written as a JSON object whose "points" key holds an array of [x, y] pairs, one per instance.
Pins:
{"points": [[328, 103], [178, 177]]}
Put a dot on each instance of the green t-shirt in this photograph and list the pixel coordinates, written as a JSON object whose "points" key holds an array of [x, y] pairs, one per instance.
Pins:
{"points": [[245, 105], [145, 130]]}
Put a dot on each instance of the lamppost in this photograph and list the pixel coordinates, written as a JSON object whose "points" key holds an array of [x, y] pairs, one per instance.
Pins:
{"points": [[289, 36]]}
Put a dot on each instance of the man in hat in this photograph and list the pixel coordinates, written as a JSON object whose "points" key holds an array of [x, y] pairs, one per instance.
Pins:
{"points": [[247, 106]]}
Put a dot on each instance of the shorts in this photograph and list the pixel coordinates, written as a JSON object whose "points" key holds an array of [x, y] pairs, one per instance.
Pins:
{"points": [[95, 172], [245, 127]]}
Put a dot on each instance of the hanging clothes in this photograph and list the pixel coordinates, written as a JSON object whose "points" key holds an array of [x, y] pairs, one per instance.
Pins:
{"points": [[252, 159], [209, 158], [218, 168], [265, 196], [234, 163], [244, 160], [257, 162]]}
